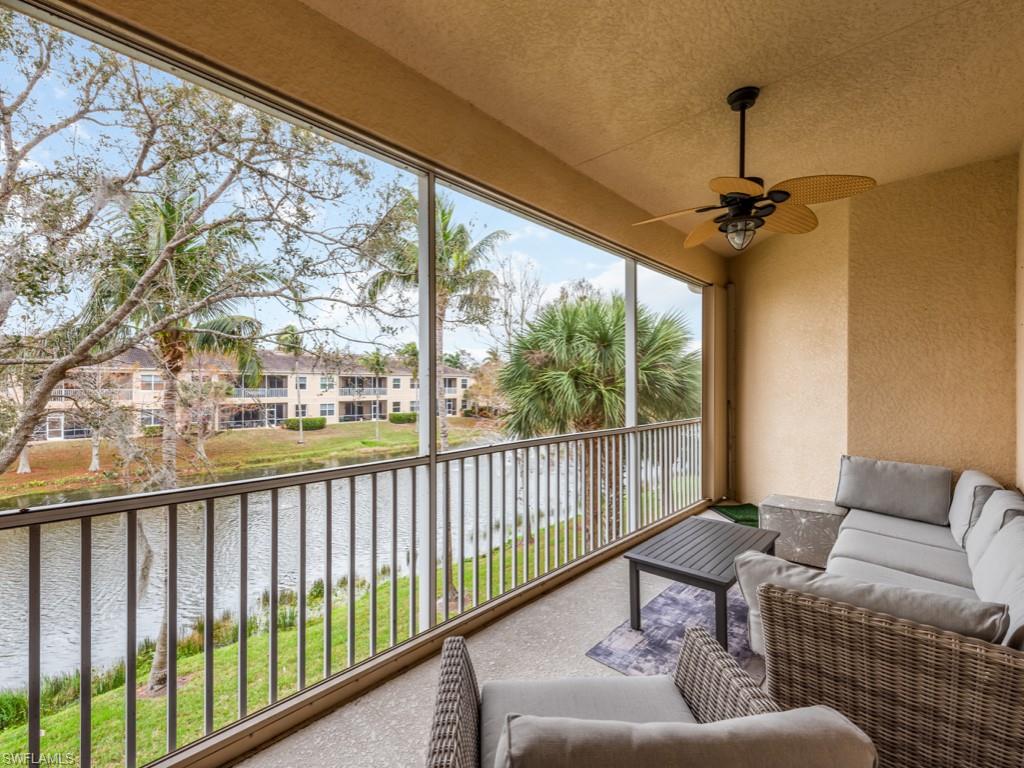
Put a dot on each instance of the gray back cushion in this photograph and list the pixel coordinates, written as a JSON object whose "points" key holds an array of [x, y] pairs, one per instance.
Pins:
{"points": [[971, 492], [966, 616], [914, 491], [1000, 509], [812, 737], [1000, 576]]}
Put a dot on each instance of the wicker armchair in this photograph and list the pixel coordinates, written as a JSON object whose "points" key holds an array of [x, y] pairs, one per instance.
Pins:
{"points": [[925, 697], [708, 678]]}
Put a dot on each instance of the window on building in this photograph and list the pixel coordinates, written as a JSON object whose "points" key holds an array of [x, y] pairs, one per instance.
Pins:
{"points": [[396, 407], [301, 411], [465, 383], [396, 383], [149, 417], [326, 409], [326, 383], [151, 381], [300, 382], [414, 406]]}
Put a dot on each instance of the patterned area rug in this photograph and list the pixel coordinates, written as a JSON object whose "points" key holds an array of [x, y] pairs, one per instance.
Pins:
{"points": [[654, 650]]}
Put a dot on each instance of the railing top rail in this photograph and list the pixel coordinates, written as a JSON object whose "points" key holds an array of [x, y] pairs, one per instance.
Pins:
{"points": [[52, 513]]}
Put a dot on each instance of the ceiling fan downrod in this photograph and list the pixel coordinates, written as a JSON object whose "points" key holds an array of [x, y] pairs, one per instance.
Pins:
{"points": [[740, 101]]}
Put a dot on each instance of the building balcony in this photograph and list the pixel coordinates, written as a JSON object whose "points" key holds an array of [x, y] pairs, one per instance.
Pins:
{"points": [[362, 391], [74, 393]]}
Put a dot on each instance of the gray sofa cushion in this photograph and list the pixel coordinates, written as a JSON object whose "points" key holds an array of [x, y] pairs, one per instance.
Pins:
{"points": [[964, 614], [914, 491], [971, 492], [900, 528], [630, 699], [913, 557], [820, 736], [879, 574], [1000, 576], [1000, 509]]}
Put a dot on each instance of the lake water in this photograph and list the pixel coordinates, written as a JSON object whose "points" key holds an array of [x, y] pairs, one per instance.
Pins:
{"points": [[60, 548]]}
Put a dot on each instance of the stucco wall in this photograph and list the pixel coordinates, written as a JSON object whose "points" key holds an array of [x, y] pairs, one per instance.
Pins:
{"points": [[790, 309], [931, 319], [291, 50]]}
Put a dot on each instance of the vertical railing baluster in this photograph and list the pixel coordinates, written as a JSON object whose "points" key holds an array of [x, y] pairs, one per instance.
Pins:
{"points": [[373, 564], [35, 640], [533, 509], [208, 619], [490, 524], [414, 507], [301, 629], [476, 531], [515, 518], [243, 605], [351, 608], [461, 539], [572, 458], [590, 487], [328, 577], [393, 608], [547, 507], [85, 647], [172, 627], [447, 564], [274, 521], [559, 560], [504, 534], [131, 644]]}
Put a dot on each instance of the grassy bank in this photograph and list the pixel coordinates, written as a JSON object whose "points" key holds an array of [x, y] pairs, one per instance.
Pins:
{"points": [[60, 728], [61, 466]]}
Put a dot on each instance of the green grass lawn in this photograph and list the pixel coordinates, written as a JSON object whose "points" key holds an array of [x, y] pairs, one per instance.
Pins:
{"points": [[61, 728]]}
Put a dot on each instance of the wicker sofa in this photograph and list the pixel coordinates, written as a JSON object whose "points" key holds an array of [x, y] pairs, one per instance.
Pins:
{"points": [[915, 630], [605, 721]]}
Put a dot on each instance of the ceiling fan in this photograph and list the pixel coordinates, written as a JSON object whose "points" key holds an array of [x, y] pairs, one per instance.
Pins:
{"points": [[748, 206]]}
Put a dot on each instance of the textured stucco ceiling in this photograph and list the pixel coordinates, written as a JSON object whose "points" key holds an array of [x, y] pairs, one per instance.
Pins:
{"points": [[632, 93]]}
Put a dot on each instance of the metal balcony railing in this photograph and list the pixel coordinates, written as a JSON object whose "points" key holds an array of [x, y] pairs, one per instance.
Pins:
{"points": [[260, 392], [74, 393], [360, 557], [362, 391]]}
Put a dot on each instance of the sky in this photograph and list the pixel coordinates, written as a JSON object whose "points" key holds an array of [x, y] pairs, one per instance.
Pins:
{"points": [[555, 257]]}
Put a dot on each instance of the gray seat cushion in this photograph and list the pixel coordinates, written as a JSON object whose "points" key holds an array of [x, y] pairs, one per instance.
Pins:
{"points": [[1000, 577], [910, 556], [999, 510], [879, 574], [962, 613], [628, 699], [900, 528], [813, 737], [913, 491], [971, 492]]}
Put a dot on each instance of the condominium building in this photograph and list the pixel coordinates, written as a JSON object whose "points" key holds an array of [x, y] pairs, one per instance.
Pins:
{"points": [[288, 387]]}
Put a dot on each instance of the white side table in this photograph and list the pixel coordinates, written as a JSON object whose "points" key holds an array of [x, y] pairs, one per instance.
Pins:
{"points": [[807, 527]]}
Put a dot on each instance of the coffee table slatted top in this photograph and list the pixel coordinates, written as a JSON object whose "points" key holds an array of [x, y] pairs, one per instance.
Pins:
{"points": [[701, 548]]}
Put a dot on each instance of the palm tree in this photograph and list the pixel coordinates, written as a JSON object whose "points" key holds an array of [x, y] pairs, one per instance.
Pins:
{"points": [[465, 286], [193, 273], [289, 340], [567, 373], [378, 365]]}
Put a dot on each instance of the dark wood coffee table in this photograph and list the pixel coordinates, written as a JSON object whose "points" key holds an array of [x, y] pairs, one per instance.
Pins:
{"points": [[699, 552]]}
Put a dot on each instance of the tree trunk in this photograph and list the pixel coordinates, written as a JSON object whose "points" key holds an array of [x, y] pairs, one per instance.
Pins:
{"points": [[94, 463], [169, 436], [302, 437], [158, 672], [24, 467]]}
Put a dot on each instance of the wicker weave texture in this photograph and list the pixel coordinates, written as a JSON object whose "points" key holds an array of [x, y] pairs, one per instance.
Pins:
{"points": [[927, 698], [455, 734], [714, 685]]}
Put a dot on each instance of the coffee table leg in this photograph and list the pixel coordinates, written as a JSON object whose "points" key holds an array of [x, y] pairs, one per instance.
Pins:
{"points": [[634, 596], [722, 618]]}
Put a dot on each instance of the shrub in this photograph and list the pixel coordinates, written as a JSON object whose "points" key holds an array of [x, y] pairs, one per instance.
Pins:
{"points": [[402, 418], [153, 430], [308, 422]]}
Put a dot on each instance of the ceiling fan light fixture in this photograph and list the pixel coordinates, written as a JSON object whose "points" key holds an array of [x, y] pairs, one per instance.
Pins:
{"points": [[740, 232]]}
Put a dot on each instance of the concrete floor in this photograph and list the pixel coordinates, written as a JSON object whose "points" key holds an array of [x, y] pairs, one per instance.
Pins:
{"points": [[389, 726]]}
